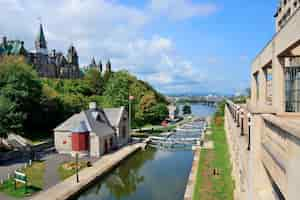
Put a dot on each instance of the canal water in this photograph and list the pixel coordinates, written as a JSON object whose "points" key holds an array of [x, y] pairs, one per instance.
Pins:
{"points": [[152, 174]]}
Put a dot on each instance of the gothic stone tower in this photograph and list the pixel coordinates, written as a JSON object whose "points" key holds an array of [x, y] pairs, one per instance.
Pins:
{"points": [[108, 66], [72, 56]]}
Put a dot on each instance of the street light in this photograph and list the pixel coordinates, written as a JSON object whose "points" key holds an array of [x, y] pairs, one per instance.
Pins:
{"points": [[131, 98], [238, 116], [249, 131], [242, 122], [234, 111], [77, 167]]}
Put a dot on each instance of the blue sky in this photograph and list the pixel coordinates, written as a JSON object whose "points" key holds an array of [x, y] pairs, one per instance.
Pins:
{"points": [[179, 46]]}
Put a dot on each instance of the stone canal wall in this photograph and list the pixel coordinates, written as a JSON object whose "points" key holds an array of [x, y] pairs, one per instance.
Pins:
{"points": [[189, 191], [69, 188], [190, 186]]}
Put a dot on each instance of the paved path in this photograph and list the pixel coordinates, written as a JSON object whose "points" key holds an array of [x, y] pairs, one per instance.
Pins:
{"points": [[10, 167], [52, 163], [69, 187]]}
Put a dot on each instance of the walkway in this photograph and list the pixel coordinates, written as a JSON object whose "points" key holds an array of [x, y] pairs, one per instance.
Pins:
{"points": [[69, 187], [10, 166], [52, 163]]}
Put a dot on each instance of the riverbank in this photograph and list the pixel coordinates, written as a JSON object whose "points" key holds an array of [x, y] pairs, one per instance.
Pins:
{"points": [[214, 180], [69, 188]]}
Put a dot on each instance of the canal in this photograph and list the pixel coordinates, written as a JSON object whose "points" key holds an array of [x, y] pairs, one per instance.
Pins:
{"points": [[152, 174]]}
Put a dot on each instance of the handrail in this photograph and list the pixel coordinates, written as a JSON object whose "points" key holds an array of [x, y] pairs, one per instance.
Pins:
{"points": [[291, 128]]}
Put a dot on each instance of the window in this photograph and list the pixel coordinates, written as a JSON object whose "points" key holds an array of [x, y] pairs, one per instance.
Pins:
{"points": [[256, 85], [268, 74], [292, 89], [124, 131]]}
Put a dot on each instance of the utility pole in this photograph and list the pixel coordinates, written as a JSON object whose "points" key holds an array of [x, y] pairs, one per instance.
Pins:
{"points": [[242, 122], [131, 98], [249, 131], [77, 174]]}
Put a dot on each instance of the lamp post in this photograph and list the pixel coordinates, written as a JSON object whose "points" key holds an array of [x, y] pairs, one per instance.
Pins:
{"points": [[131, 98], [234, 111], [249, 131], [242, 122], [238, 116], [77, 174]]}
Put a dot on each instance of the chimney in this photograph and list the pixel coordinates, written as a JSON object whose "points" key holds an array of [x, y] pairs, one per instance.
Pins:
{"points": [[92, 106]]}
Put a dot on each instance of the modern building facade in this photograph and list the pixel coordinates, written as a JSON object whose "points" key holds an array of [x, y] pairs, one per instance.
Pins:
{"points": [[265, 133]]}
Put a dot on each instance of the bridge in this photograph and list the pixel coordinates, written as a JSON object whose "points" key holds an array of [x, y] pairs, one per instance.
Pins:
{"points": [[205, 100]]}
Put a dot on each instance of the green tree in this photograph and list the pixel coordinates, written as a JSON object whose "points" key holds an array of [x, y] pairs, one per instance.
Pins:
{"points": [[176, 113], [94, 81], [19, 84], [186, 109], [159, 112], [11, 121], [117, 89]]}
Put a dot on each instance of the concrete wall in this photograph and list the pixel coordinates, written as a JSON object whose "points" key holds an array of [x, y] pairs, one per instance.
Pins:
{"points": [[273, 162], [284, 44], [95, 144], [123, 131], [63, 142]]}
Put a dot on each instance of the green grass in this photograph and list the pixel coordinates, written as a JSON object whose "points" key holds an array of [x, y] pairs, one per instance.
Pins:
{"points": [[208, 186], [66, 173], [35, 175]]}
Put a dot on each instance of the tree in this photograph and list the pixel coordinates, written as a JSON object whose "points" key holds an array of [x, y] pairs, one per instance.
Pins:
{"points": [[186, 110], [159, 112], [94, 80], [176, 113], [11, 121], [20, 85], [117, 89]]}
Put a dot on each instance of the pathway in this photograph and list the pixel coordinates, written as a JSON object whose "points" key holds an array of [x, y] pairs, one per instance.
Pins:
{"points": [[52, 163], [69, 187]]}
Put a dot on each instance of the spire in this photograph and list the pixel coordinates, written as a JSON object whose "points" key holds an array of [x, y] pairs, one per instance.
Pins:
{"points": [[40, 42], [72, 55], [93, 63], [108, 66], [100, 66]]}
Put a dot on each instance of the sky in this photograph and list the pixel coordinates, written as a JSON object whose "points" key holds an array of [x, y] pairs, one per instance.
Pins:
{"points": [[179, 46]]}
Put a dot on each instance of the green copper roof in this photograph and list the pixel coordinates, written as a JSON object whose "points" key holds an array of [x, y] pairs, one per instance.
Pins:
{"points": [[40, 39], [14, 47]]}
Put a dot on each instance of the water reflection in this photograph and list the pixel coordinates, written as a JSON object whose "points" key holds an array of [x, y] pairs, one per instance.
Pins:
{"points": [[153, 174], [149, 175]]}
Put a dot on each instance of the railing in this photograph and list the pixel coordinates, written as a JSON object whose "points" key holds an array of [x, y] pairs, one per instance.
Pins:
{"points": [[276, 148]]}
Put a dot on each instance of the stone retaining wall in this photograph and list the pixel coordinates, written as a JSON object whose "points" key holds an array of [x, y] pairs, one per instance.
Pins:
{"points": [[69, 188], [189, 191]]}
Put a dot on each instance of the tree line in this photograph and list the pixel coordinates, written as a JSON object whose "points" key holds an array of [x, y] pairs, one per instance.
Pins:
{"points": [[30, 104]]}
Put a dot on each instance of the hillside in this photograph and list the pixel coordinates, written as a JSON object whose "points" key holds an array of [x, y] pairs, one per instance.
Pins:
{"points": [[29, 104]]}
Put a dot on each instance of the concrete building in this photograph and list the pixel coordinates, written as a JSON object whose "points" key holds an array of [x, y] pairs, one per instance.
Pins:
{"points": [[92, 132], [118, 118], [264, 134]]}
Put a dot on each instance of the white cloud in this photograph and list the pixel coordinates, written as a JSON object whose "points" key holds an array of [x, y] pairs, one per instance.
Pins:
{"points": [[110, 30], [181, 9]]}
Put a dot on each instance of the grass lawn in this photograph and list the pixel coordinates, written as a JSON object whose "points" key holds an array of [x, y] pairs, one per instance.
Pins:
{"points": [[65, 170], [209, 186], [35, 175]]}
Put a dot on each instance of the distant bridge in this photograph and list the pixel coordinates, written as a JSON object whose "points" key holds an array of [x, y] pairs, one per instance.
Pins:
{"points": [[205, 100]]}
